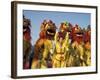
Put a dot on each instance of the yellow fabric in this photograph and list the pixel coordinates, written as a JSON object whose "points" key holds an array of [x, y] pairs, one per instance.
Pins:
{"points": [[60, 52]]}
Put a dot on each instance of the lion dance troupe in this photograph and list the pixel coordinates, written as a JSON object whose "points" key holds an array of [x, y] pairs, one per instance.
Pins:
{"points": [[56, 47]]}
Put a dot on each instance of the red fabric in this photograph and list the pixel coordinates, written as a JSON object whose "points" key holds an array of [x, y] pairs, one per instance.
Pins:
{"points": [[26, 65], [61, 34], [75, 36], [27, 36], [42, 35], [87, 37]]}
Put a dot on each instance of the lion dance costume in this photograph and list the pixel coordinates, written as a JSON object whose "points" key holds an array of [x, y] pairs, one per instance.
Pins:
{"points": [[43, 49]]}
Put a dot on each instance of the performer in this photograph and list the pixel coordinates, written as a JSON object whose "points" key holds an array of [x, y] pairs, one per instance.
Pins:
{"points": [[78, 46], [44, 46], [26, 43], [87, 46], [62, 43]]}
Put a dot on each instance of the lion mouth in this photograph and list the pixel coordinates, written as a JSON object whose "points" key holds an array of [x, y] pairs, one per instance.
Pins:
{"points": [[79, 34], [50, 32]]}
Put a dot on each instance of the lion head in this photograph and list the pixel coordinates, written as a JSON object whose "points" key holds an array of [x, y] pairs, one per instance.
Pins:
{"points": [[77, 34], [48, 29]]}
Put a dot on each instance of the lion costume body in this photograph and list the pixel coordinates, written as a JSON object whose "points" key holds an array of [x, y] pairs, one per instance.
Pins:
{"points": [[26, 43], [78, 46], [62, 47], [43, 48]]}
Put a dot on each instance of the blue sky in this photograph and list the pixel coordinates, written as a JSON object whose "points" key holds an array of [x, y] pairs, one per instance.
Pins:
{"points": [[37, 17]]}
